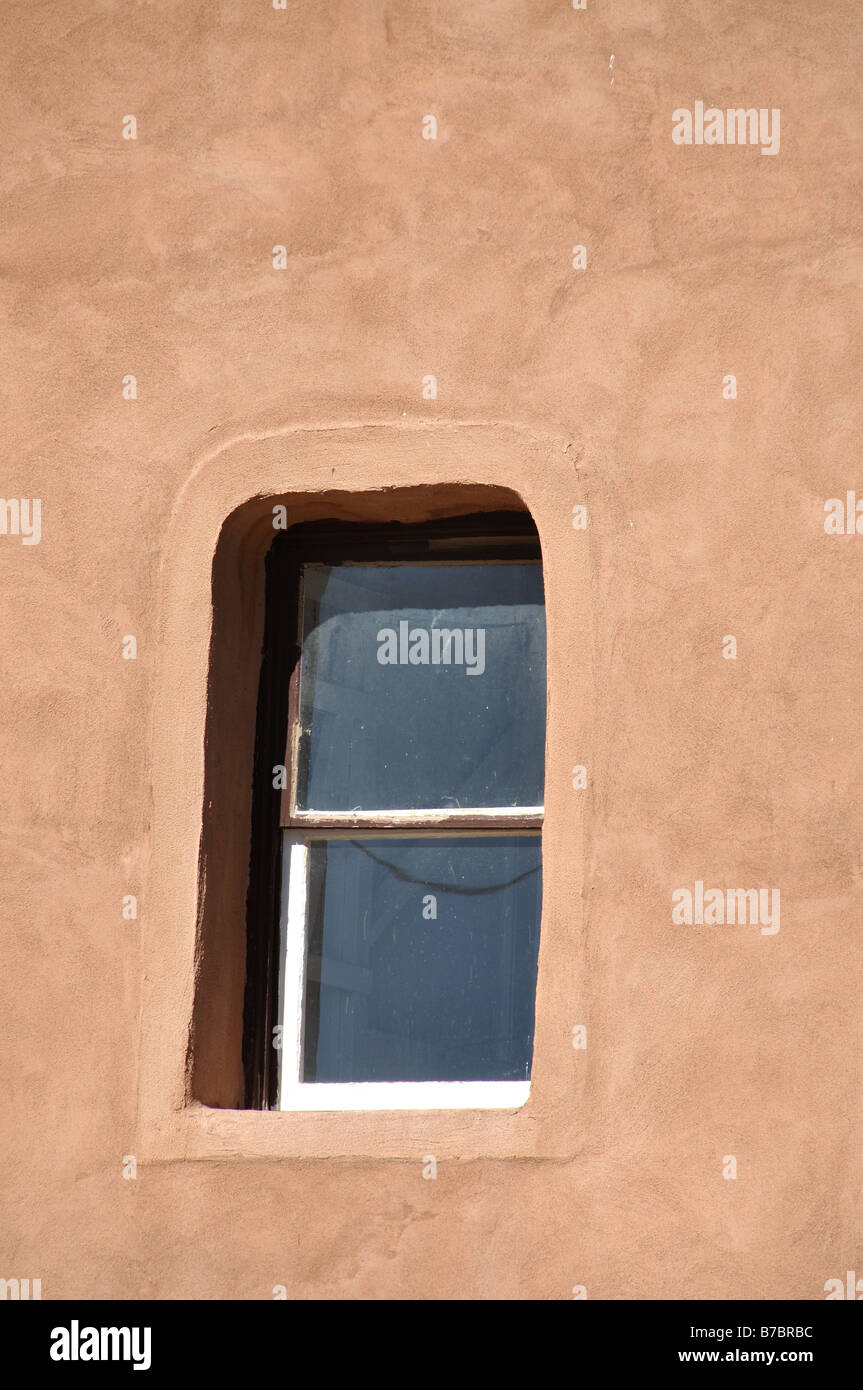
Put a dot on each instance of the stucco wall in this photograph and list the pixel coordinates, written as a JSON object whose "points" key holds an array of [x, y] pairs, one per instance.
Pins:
{"points": [[409, 257]]}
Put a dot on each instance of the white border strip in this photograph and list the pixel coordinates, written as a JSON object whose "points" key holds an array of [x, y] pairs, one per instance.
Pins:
{"points": [[295, 885], [405, 1095]]}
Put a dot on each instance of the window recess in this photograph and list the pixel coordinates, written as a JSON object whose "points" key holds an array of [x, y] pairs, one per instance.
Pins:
{"points": [[404, 682]]}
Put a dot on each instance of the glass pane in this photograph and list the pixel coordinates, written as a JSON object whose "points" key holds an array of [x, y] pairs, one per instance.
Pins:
{"points": [[422, 686], [421, 962]]}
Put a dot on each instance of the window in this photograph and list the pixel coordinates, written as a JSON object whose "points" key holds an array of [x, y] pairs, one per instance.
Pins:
{"points": [[395, 899]]}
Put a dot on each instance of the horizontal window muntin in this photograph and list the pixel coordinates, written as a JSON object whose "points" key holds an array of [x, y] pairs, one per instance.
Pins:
{"points": [[477, 817]]}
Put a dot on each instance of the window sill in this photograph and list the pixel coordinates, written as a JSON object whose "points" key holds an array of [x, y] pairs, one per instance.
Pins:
{"points": [[449, 1131]]}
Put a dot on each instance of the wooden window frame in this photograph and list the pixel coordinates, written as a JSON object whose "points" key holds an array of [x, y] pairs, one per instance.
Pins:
{"points": [[483, 538]]}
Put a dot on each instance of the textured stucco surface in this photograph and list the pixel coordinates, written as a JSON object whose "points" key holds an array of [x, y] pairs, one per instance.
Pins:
{"points": [[409, 257]]}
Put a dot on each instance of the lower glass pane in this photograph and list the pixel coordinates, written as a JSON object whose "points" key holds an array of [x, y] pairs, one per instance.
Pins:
{"points": [[421, 959]]}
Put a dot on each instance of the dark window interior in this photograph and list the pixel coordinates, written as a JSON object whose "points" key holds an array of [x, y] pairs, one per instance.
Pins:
{"points": [[390, 996]]}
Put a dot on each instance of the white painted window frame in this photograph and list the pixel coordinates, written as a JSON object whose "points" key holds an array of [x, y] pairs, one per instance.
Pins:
{"points": [[295, 1094]]}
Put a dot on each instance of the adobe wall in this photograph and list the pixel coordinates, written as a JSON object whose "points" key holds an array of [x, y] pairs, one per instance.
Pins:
{"points": [[406, 258]]}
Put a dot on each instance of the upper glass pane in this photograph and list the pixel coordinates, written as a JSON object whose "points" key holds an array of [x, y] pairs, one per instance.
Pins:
{"points": [[422, 686]]}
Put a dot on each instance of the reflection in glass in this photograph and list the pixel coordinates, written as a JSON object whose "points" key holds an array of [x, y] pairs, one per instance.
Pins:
{"points": [[421, 961], [422, 686]]}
